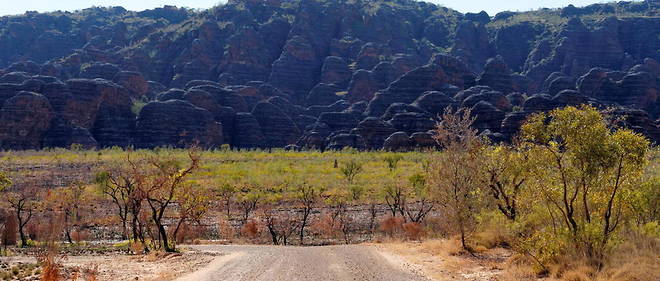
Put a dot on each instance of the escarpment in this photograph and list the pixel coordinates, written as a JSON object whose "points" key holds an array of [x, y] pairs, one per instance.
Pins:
{"points": [[316, 74]]}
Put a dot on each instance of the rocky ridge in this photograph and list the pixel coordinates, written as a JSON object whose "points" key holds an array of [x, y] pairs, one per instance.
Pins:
{"points": [[316, 74]]}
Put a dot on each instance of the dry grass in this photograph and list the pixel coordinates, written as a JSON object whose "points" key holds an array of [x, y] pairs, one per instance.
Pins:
{"points": [[519, 268], [51, 266], [450, 247], [491, 237], [638, 259], [91, 272], [444, 259]]}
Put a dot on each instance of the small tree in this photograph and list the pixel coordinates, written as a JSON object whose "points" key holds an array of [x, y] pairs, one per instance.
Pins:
{"points": [[281, 224], [350, 170], [7, 221], [23, 203], [161, 181], [119, 181], [227, 193], [392, 162], [373, 198], [307, 197], [395, 192], [248, 198], [68, 201], [157, 179], [587, 173], [395, 195], [194, 203], [507, 169], [423, 201], [454, 173]]}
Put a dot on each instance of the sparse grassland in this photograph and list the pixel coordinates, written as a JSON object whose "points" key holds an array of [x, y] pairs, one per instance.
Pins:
{"points": [[574, 199]]}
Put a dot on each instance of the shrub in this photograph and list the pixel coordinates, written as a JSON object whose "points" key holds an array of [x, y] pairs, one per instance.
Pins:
{"points": [[225, 230], [136, 247], [326, 226], [9, 231], [79, 235], [51, 268], [91, 272], [413, 231], [391, 225], [250, 229]]}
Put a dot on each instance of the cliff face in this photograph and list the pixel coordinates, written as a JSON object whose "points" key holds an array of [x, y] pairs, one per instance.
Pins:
{"points": [[315, 73]]}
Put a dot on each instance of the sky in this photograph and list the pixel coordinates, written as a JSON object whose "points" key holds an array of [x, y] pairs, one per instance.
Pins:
{"points": [[13, 7]]}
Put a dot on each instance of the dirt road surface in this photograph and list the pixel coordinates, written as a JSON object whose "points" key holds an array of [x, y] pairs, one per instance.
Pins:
{"points": [[328, 263]]}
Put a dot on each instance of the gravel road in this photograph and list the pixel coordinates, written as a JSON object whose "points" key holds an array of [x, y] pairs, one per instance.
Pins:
{"points": [[328, 263]]}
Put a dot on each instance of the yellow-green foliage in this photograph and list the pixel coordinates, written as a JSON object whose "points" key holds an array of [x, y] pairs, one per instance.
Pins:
{"points": [[4, 181], [255, 170], [279, 170], [587, 176]]}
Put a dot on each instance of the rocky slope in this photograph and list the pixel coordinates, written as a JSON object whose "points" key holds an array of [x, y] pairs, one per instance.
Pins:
{"points": [[316, 74]]}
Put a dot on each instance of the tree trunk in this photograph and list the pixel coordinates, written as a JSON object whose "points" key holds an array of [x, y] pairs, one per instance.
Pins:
{"points": [[24, 242], [273, 234], [124, 228], [164, 241], [306, 213], [463, 243], [68, 235], [372, 220]]}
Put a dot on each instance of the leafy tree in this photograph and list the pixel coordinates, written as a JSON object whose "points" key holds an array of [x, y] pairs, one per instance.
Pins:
{"points": [[507, 169], [645, 201], [350, 170], [194, 202], [227, 193], [421, 196], [586, 172]]}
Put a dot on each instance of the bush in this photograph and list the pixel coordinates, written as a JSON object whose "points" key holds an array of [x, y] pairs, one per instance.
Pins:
{"points": [[326, 226], [136, 247], [391, 225], [9, 236], [250, 229], [225, 230], [413, 231], [79, 235]]}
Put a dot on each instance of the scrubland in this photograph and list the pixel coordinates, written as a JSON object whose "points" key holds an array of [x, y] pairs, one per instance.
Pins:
{"points": [[571, 199]]}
